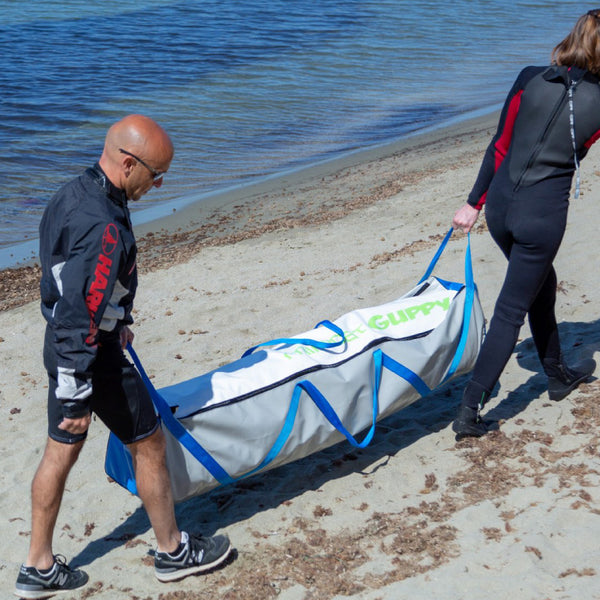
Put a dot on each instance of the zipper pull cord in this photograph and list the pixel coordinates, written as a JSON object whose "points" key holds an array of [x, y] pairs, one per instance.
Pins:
{"points": [[572, 124]]}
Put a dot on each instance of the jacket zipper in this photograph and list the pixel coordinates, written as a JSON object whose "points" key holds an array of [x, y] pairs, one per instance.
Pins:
{"points": [[538, 146]]}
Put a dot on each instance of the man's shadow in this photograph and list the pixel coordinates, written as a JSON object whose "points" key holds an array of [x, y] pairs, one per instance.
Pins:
{"points": [[210, 512]]}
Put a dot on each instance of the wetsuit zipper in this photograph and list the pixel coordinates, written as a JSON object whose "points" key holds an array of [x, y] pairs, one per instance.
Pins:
{"points": [[537, 148]]}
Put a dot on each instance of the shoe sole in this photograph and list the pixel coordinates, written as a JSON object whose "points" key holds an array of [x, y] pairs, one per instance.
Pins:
{"points": [[41, 594], [463, 431], [181, 573], [462, 435], [559, 394]]}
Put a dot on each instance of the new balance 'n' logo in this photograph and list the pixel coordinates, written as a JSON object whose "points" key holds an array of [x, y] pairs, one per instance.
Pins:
{"points": [[61, 579]]}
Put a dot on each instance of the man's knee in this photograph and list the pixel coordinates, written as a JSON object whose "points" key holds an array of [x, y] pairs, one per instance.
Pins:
{"points": [[152, 447], [62, 452], [58, 459]]}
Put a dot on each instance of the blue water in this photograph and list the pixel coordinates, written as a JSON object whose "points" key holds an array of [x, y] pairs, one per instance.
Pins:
{"points": [[245, 88]]}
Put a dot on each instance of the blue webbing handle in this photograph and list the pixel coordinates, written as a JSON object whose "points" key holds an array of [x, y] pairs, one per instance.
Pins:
{"points": [[435, 259], [383, 360], [326, 409], [177, 429], [469, 297], [380, 360], [305, 341]]}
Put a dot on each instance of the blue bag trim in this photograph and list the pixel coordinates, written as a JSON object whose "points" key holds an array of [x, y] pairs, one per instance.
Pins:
{"points": [[177, 429], [118, 464], [383, 360], [305, 341], [380, 361]]}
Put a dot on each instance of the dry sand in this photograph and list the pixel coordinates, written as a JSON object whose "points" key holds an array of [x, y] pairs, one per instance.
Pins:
{"points": [[415, 515]]}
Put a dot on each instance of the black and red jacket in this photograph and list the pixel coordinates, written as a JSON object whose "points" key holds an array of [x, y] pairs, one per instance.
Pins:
{"points": [[89, 279], [534, 134]]}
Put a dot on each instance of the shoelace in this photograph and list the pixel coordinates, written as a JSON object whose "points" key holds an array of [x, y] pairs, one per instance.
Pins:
{"points": [[61, 560], [196, 552]]}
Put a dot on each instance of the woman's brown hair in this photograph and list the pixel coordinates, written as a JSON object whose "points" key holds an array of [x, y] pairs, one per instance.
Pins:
{"points": [[581, 48]]}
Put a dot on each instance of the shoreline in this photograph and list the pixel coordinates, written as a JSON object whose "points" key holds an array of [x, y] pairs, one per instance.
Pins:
{"points": [[170, 216], [293, 179], [284, 201]]}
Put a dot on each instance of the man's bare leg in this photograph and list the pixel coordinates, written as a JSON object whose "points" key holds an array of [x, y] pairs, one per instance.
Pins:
{"points": [[154, 489], [47, 491]]}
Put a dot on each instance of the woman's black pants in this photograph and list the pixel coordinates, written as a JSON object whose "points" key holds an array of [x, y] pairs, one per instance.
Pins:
{"points": [[528, 226]]}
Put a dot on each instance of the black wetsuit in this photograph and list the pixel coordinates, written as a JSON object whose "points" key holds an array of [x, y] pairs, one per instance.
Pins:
{"points": [[525, 181]]}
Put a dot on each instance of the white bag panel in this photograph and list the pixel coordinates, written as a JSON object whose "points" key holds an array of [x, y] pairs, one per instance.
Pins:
{"points": [[407, 316]]}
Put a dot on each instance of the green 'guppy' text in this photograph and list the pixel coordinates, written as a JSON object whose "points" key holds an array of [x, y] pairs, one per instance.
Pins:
{"points": [[378, 322], [408, 314]]}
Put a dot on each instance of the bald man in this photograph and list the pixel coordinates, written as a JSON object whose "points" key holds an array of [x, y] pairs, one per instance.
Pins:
{"points": [[89, 279]]}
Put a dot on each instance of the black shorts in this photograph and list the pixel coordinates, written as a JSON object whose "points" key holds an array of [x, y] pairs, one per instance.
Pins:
{"points": [[119, 398]]}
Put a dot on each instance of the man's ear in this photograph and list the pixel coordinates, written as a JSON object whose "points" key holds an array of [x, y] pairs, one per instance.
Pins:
{"points": [[127, 164]]}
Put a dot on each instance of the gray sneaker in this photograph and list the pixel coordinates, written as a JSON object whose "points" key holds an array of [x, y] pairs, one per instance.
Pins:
{"points": [[195, 554], [59, 579]]}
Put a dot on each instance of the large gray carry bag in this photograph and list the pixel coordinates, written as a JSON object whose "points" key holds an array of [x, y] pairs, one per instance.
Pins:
{"points": [[288, 398]]}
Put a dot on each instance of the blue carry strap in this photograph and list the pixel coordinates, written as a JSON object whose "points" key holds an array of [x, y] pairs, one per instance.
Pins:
{"points": [[469, 297], [435, 259], [380, 360], [328, 412], [305, 341], [177, 429], [383, 360]]}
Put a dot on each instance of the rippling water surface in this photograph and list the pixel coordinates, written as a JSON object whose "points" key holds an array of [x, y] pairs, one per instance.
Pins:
{"points": [[245, 89]]}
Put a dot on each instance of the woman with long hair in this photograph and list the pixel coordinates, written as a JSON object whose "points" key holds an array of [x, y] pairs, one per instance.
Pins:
{"points": [[550, 119]]}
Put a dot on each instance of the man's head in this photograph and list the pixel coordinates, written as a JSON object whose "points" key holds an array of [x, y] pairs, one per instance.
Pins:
{"points": [[137, 151]]}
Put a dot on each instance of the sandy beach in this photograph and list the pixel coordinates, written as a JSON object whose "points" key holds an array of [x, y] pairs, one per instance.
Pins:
{"points": [[415, 514]]}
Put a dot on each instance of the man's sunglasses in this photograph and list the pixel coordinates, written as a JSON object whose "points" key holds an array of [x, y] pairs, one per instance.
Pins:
{"points": [[156, 175]]}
